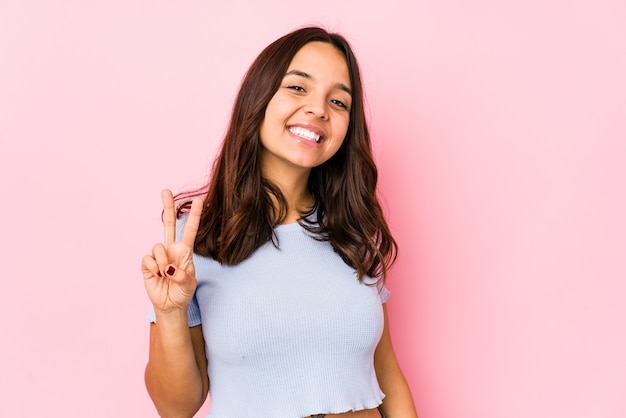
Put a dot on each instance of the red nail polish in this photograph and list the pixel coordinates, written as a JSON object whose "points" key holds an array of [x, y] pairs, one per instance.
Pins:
{"points": [[171, 270], [159, 274]]}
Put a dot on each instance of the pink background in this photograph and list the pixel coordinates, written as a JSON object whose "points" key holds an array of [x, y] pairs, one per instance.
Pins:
{"points": [[500, 133]]}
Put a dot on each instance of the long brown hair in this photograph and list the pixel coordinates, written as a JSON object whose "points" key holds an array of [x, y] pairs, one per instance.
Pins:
{"points": [[239, 214]]}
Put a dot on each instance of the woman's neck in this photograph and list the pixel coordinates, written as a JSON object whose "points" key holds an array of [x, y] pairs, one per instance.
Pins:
{"points": [[296, 193], [296, 204]]}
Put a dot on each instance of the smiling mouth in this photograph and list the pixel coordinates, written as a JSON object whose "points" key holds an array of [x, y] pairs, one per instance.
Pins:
{"points": [[305, 134]]}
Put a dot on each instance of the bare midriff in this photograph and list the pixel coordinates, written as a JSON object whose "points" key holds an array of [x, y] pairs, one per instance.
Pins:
{"points": [[366, 413]]}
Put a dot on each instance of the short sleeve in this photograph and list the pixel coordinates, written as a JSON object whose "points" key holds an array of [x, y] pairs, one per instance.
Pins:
{"points": [[383, 292], [193, 312], [151, 316]]}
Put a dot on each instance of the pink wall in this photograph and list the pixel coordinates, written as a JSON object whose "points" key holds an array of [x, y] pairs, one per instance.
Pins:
{"points": [[500, 132]]}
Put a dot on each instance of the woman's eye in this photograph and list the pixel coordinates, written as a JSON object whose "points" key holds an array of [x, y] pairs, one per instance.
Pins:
{"points": [[296, 88], [339, 103]]}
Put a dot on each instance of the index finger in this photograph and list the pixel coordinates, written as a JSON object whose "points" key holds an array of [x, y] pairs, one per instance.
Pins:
{"points": [[190, 229], [169, 217]]}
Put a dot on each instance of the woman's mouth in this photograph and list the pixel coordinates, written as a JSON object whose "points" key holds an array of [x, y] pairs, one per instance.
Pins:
{"points": [[305, 133]]}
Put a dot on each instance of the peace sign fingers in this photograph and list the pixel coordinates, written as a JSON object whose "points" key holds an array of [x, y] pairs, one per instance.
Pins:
{"points": [[169, 274], [169, 220]]}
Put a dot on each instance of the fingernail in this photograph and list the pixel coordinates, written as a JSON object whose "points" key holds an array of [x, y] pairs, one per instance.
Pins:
{"points": [[170, 271], [159, 274]]}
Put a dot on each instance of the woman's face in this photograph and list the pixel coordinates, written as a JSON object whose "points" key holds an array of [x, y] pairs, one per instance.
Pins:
{"points": [[307, 118]]}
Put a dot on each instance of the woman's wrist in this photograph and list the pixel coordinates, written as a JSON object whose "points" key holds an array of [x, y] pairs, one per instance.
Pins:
{"points": [[173, 316]]}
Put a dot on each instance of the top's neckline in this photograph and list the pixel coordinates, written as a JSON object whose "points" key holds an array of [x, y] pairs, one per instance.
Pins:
{"points": [[289, 226]]}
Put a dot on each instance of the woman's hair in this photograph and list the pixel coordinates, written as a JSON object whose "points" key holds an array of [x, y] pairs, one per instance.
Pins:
{"points": [[240, 213]]}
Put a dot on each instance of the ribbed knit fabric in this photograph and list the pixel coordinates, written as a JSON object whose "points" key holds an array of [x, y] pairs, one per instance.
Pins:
{"points": [[289, 332]]}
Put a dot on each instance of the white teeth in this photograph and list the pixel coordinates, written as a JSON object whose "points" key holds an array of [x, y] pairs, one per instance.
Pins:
{"points": [[305, 133]]}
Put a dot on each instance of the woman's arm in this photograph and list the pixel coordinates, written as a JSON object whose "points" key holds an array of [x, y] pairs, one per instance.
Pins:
{"points": [[398, 402], [176, 374]]}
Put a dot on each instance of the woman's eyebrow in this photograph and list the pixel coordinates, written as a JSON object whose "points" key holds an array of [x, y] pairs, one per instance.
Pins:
{"points": [[303, 74]]}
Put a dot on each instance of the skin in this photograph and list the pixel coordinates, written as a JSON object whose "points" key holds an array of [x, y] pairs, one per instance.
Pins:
{"points": [[176, 373], [314, 95]]}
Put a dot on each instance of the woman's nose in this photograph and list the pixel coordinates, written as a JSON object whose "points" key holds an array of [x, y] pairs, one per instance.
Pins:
{"points": [[317, 107]]}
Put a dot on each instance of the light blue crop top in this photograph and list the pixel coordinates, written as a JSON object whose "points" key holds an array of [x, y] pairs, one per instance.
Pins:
{"points": [[289, 332]]}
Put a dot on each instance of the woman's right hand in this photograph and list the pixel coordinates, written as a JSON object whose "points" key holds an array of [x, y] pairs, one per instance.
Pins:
{"points": [[169, 274]]}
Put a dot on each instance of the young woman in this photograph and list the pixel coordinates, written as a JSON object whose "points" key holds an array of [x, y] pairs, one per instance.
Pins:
{"points": [[270, 291]]}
